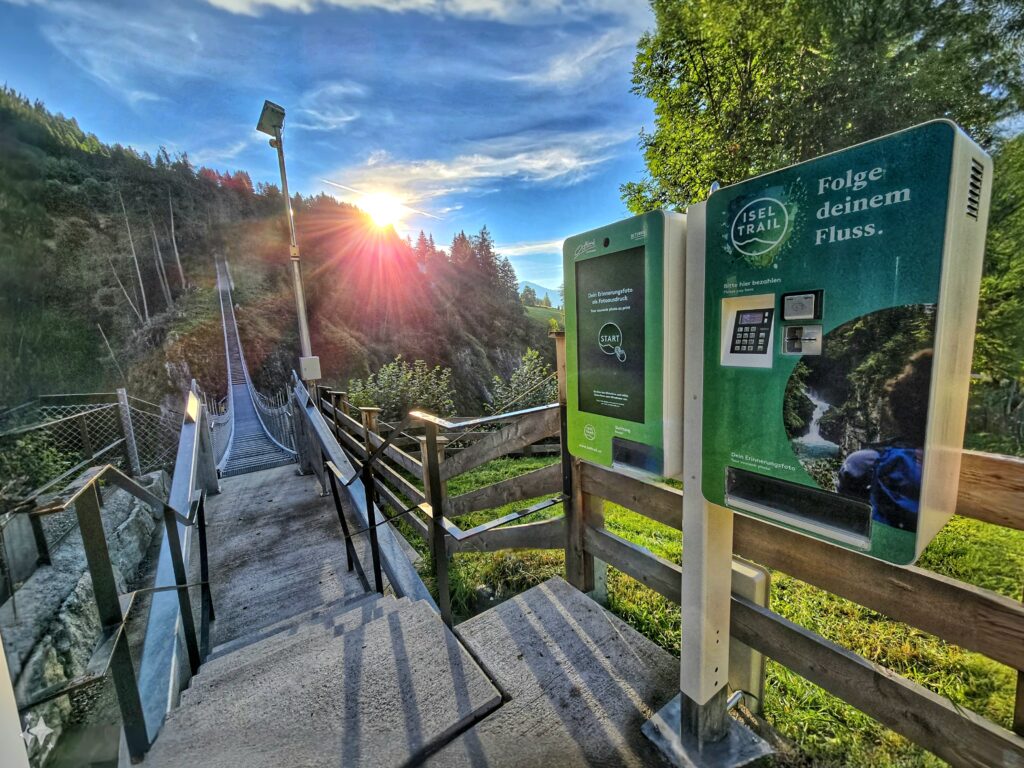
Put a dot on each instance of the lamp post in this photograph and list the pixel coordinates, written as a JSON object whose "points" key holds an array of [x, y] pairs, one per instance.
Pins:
{"points": [[272, 123]]}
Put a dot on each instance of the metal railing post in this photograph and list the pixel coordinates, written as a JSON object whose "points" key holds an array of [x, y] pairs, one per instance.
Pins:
{"points": [[435, 497], [42, 545], [83, 431], [442, 442], [188, 623], [131, 449], [350, 554], [371, 516], [206, 611], [108, 604]]}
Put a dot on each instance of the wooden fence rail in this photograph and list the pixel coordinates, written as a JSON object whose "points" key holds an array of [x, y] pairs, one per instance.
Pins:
{"points": [[960, 613]]}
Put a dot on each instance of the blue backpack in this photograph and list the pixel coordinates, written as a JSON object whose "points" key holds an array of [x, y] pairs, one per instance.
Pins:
{"points": [[896, 488]]}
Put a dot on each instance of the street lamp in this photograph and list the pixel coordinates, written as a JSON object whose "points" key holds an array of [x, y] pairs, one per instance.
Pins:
{"points": [[271, 123]]}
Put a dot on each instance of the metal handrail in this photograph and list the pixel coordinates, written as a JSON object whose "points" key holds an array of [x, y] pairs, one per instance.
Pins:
{"points": [[194, 470], [473, 423], [319, 449]]}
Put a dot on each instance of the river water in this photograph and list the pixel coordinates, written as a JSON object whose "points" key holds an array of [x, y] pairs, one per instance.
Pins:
{"points": [[813, 445]]}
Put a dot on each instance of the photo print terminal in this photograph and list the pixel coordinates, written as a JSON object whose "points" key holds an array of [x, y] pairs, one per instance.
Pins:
{"points": [[840, 304], [624, 345]]}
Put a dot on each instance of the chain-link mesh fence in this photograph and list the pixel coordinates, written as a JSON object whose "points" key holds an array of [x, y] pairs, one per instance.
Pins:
{"points": [[156, 437], [60, 437], [47, 443]]}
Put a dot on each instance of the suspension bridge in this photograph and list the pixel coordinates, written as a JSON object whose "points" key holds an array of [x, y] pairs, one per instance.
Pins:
{"points": [[256, 433]]}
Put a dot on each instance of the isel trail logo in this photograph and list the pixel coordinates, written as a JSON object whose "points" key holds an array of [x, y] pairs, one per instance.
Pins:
{"points": [[587, 246], [759, 228]]}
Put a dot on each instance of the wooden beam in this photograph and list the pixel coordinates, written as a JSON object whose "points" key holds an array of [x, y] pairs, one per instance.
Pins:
{"points": [[544, 534], [528, 486], [661, 575], [953, 733], [400, 457], [960, 613], [992, 489], [524, 431], [657, 501], [399, 483]]}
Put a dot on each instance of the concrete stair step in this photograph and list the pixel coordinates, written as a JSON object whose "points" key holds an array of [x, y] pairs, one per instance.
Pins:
{"points": [[263, 647], [383, 694], [581, 683], [324, 615], [240, 665]]}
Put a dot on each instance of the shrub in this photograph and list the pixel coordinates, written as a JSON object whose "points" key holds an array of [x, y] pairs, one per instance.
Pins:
{"points": [[399, 387], [531, 384]]}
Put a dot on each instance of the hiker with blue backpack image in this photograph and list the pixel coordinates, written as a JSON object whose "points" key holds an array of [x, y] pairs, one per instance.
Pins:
{"points": [[887, 474], [856, 414]]}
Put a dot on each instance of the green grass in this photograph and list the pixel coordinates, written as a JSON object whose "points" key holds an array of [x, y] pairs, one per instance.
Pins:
{"points": [[545, 314], [826, 730]]}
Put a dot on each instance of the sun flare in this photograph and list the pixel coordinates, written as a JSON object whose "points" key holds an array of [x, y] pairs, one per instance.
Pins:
{"points": [[384, 209]]}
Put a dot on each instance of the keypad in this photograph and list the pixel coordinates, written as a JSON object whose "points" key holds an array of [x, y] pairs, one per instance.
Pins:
{"points": [[751, 331]]}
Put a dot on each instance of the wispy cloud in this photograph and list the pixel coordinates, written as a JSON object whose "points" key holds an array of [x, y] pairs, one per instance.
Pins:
{"points": [[136, 52], [224, 154], [507, 11], [328, 107], [537, 247], [558, 159], [586, 61]]}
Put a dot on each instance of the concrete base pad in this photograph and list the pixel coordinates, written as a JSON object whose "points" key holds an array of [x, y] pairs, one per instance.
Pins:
{"points": [[581, 683], [740, 747]]}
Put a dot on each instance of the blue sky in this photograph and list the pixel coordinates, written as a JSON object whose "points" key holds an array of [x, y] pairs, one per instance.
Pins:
{"points": [[515, 114]]}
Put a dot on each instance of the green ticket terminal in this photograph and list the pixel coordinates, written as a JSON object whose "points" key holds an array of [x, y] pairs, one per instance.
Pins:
{"points": [[840, 298], [624, 347]]}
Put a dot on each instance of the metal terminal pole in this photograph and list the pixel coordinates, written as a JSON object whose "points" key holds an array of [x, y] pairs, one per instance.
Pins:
{"points": [[11, 745], [300, 297]]}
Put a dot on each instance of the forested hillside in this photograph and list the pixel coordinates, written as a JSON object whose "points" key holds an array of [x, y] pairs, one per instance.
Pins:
{"points": [[106, 263], [372, 295]]}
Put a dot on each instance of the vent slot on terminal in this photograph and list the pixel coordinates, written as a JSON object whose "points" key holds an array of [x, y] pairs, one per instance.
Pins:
{"points": [[974, 189]]}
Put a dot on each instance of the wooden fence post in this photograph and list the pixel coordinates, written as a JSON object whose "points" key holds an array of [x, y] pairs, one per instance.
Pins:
{"points": [[582, 570], [1018, 704], [369, 416], [431, 454], [334, 394]]}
